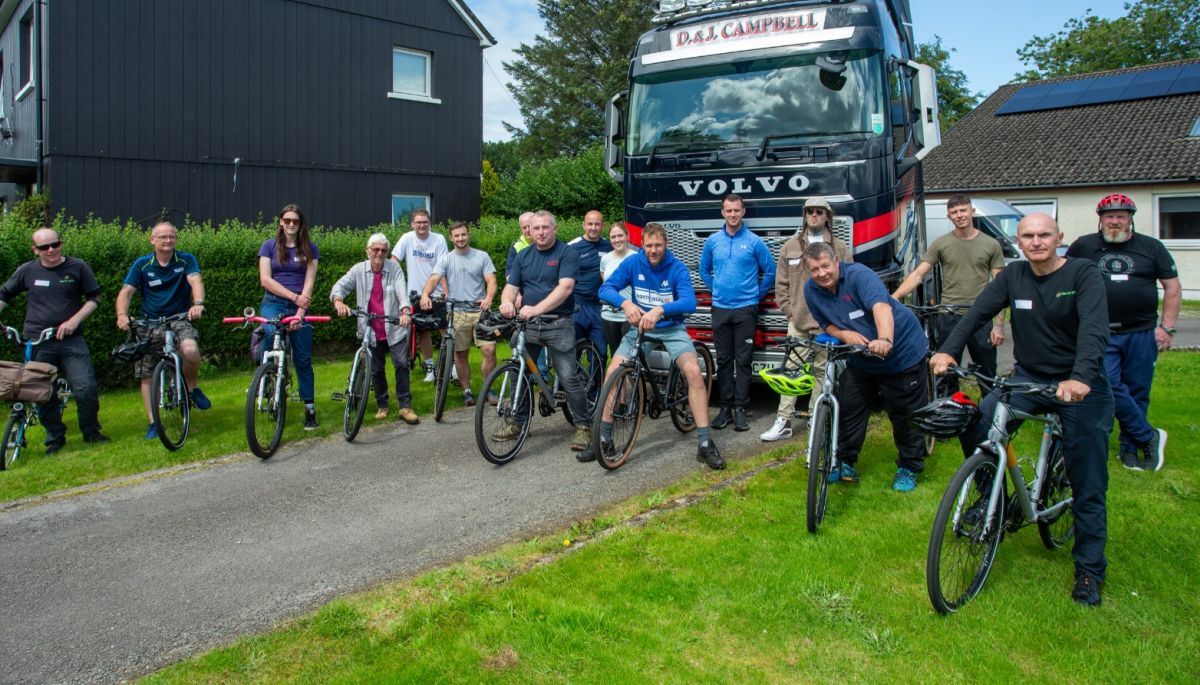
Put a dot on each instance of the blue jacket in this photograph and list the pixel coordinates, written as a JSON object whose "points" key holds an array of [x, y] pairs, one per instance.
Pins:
{"points": [[738, 269], [668, 285]]}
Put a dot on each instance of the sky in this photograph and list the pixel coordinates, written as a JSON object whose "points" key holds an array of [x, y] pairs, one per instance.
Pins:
{"points": [[984, 35]]}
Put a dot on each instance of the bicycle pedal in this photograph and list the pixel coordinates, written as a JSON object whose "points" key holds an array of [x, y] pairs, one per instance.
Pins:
{"points": [[337, 396]]}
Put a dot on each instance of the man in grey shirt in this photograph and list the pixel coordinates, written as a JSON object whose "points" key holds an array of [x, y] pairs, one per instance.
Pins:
{"points": [[471, 282]]}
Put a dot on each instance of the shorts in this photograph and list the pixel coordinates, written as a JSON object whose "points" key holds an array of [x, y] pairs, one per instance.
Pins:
{"points": [[144, 367], [464, 331], [674, 338]]}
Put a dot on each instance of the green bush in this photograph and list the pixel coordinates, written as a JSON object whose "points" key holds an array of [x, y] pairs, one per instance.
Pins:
{"points": [[569, 186]]}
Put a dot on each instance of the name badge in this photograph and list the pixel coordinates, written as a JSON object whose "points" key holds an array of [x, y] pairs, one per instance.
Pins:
{"points": [[44, 284], [1120, 277], [155, 282], [1023, 304], [856, 314], [179, 270], [794, 262]]}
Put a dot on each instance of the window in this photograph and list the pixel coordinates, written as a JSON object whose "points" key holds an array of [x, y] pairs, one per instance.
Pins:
{"points": [[403, 204], [1179, 217], [411, 76], [1030, 206], [26, 39], [1195, 132]]}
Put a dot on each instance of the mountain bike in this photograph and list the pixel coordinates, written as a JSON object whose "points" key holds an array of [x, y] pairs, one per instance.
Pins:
{"points": [[170, 401], [647, 384], [266, 399], [358, 383], [443, 364], [25, 414], [977, 509], [501, 428], [936, 387]]}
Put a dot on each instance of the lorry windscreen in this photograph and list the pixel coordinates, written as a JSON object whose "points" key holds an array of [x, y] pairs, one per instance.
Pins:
{"points": [[744, 103]]}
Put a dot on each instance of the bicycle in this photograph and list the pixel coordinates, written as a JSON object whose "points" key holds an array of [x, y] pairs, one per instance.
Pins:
{"points": [[170, 401], [650, 385], [511, 382], [936, 387], [25, 414], [443, 365], [358, 383], [976, 510], [266, 399]]}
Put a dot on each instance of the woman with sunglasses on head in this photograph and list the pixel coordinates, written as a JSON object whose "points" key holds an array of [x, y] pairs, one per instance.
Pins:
{"points": [[287, 268]]}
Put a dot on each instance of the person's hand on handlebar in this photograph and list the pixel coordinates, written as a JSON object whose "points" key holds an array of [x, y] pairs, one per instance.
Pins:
{"points": [[341, 308], [941, 363], [853, 338], [1072, 391], [650, 318], [508, 309], [426, 303], [880, 347], [529, 311], [295, 325], [633, 313]]}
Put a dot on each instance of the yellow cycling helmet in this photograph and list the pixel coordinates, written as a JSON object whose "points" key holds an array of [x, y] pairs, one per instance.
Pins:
{"points": [[789, 381]]}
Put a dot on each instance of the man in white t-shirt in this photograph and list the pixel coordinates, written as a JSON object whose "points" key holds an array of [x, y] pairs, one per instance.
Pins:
{"points": [[420, 250]]}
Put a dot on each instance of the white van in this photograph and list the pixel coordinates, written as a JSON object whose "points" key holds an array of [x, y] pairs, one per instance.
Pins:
{"points": [[996, 218]]}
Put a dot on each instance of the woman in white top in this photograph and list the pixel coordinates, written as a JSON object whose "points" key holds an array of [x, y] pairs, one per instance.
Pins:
{"points": [[615, 324]]}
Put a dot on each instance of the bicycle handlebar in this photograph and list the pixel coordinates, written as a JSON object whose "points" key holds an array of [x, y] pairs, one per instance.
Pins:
{"points": [[1005, 384], [371, 316], [159, 320], [276, 320], [937, 308], [15, 335]]}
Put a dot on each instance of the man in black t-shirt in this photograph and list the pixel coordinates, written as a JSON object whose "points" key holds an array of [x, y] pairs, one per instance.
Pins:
{"points": [[1059, 320], [1132, 264], [543, 275], [62, 292]]}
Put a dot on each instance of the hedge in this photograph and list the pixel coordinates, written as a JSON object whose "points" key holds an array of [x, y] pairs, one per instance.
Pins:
{"points": [[228, 262]]}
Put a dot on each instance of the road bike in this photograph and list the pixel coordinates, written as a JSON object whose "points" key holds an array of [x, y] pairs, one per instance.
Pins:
{"points": [[505, 408], [936, 387], [978, 508], [443, 364], [266, 399], [170, 401], [647, 383], [358, 383], [26, 414]]}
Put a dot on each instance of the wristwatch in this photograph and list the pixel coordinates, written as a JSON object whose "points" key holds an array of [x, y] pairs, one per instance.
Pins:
{"points": [[1170, 330]]}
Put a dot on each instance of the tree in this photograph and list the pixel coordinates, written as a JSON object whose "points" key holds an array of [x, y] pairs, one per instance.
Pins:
{"points": [[504, 156], [955, 100], [563, 80], [1152, 31]]}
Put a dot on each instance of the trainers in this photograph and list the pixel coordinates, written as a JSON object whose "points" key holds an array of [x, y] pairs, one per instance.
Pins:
{"points": [[97, 438], [724, 417], [310, 419], [1155, 451], [151, 434], [382, 413], [428, 372], [200, 400], [468, 398], [710, 455], [453, 372], [583, 438], [508, 431], [587, 454], [1129, 458], [407, 415], [844, 473], [1086, 590], [782, 429], [904, 480], [52, 447], [740, 421]]}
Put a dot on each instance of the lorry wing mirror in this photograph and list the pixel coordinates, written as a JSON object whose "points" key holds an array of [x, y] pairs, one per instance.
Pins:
{"points": [[614, 137], [928, 129]]}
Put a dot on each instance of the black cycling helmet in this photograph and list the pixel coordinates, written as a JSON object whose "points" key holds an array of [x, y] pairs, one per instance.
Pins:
{"points": [[948, 417], [131, 350], [492, 326]]}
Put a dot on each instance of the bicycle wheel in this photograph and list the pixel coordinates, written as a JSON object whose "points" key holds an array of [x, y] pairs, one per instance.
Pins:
{"points": [[356, 394], [170, 404], [591, 375], [708, 367], [266, 411], [442, 368], [961, 552], [677, 399], [820, 460], [500, 430], [626, 392], [14, 439], [1059, 528]]}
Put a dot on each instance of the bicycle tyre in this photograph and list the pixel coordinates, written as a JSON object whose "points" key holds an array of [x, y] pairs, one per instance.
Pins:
{"points": [[509, 410], [170, 406], [356, 395], [820, 461], [590, 368], [628, 395], [266, 411], [14, 439], [1058, 530], [442, 370], [960, 558], [677, 400], [708, 367]]}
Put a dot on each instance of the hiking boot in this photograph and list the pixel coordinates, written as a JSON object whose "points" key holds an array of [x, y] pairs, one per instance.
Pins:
{"points": [[310, 419], [724, 417], [1130, 459], [382, 413], [151, 433], [97, 438], [508, 431], [1086, 590], [710, 455], [468, 398], [55, 446], [905, 480], [407, 415], [588, 454], [200, 400], [782, 429], [740, 421], [1155, 451], [844, 473], [583, 438]]}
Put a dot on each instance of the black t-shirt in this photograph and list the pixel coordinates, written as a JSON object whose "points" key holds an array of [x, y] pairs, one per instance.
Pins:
{"points": [[1059, 321], [537, 273], [1131, 271], [55, 293]]}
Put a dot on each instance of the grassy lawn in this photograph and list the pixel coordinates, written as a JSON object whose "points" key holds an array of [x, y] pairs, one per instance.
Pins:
{"points": [[733, 590], [214, 433], [1189, 307]]}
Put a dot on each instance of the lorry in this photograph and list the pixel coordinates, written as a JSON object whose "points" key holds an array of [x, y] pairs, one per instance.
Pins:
{"points": [[776, 101]]}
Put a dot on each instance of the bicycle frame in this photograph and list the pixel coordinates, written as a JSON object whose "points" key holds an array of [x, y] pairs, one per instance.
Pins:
{"points": [[169, 348], [659, 400], [31, 416], [546, 392]]}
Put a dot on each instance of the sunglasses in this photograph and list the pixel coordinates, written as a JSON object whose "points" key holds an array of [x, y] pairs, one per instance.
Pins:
{"points": [[377, 249], [814, 210], [290, 222], [48, 246]]}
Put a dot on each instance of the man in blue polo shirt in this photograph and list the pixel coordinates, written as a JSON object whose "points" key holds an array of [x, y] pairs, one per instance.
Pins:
{"points": [[849, 302], [169, 283], [590, 246]]}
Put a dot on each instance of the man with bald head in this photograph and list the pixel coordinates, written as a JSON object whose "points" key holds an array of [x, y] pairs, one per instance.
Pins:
{"points": [[590, 246], [62, 292], [1059, 313]]}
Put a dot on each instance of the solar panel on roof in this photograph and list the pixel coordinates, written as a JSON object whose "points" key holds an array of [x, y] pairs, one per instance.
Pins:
{"points": [[1141, 85]]}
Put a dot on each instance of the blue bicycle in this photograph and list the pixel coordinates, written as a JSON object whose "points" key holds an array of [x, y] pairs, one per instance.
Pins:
{"points": [[25, 414]]}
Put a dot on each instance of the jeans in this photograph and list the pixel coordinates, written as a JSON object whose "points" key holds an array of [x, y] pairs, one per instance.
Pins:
{"points": [[733, 339], [1129, 362], [302, 341], [74, 362], [902, 393], [379, 357], [588, 324], [559, 338]]}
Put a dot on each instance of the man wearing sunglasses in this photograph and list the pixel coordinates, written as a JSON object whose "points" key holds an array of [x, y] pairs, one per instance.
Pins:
{"points": [[62, 292]]}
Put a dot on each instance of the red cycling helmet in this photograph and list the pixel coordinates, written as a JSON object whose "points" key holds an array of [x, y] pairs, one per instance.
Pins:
{"points": [[1114, 202]]}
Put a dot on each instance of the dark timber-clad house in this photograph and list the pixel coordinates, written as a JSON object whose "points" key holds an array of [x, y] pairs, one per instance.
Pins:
{"points": [[358, 110]]}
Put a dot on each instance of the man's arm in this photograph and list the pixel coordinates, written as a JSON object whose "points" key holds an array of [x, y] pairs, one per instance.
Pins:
{"points": [[997, 335], [1091, 340], [783, 298], [767, 266], [1172, 299], [489, 296], [197, 284], [706, 264], [912, 281], [991, 301], [885, 326], [124, 299], [508, 298]]}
